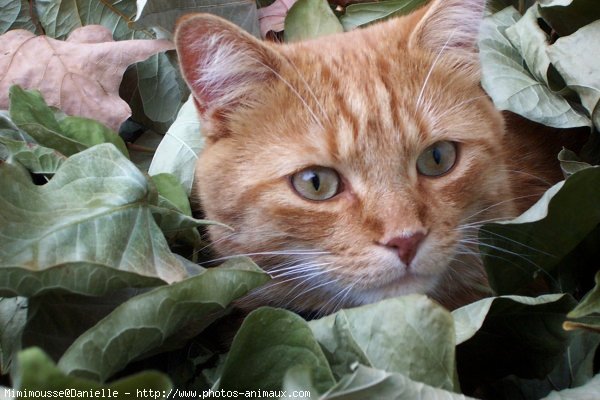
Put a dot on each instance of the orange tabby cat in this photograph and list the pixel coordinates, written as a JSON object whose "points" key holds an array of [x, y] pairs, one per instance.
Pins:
{"points": [[358, 166]]}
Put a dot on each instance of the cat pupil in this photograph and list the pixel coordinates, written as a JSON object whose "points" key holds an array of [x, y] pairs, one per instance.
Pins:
{"points": [[437, 155], [316, 182]]}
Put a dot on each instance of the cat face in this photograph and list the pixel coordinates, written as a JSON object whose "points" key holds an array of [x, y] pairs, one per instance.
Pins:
{"points": [[354, 167]]}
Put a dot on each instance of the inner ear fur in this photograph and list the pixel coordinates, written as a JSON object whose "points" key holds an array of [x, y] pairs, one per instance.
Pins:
{"points": [[222, 64]]}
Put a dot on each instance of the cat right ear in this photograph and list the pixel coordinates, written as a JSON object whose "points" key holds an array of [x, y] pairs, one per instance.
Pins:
{"points": [[222, 64]]}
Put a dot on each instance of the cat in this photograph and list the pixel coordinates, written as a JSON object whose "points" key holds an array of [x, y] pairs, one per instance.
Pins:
{"points": [[358, 166]]}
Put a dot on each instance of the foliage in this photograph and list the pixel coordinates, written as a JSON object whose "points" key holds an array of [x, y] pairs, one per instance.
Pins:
{"points": [[98, 258]]}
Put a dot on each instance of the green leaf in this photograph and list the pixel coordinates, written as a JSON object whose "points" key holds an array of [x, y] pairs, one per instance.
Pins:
{"points": [[169, 187], [567, 16], [591, 391], [511, 86], [159, 88], [570, 162], [362, 14], [470, 318], [269, 342], [52, 129], [530, 327], [590, 304], [13, 316], [37, 159], [419, 324], [575, 59], [60, 17], [173, 213], [163, 14], [533, 245], [308, 19], [15, 15], [89, 230], [37, 372], [144, 322], [177, 152], [369, 383]]}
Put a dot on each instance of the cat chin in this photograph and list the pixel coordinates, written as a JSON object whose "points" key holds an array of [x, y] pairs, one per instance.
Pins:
{"points": [[409, 283]]}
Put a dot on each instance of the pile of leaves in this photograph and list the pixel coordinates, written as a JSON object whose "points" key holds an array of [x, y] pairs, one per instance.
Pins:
{"points": [[99, 253]]}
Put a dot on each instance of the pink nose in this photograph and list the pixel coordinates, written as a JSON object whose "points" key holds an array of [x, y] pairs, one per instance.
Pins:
{"points": [[406, 246]]}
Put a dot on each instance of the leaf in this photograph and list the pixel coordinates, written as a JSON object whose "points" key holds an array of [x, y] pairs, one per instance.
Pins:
{"points": [[81, 76], [169, 187], [163, 14], [308, 19], [37, 159], [470, 318], [531, 42], [530, 327], [272, 17], [567, 16], [368, 383], [418, 324], [357, 15], [61, 17], [89, 230], [570, 162], [574, 58], [589, 391], [37, 373], [533, 245], [590, 304], [145, 321], [173, 213], [159, 88], [13, 316], [511, 86], [269, 342], [177, 152], [15, 15]]}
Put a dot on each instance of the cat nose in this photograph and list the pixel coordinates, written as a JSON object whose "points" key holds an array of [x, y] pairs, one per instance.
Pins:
{"points": [[406, 245]]}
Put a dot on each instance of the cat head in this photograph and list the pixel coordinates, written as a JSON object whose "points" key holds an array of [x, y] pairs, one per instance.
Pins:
{"points": [[353, 166]]}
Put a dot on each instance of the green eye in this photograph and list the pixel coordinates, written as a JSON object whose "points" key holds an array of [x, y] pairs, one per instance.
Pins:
{"points": [[437, 159], [316, 183]]}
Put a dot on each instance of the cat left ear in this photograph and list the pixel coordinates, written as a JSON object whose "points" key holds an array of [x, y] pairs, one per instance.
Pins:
{"points": [[450, 25], [222, 64]]}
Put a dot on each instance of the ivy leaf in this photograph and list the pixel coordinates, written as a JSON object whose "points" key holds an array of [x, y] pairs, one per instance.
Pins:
{"points": [[269, 342], [89, 230], [574, 58], [163, 14], [419, 324], [177, 152], [144, 322], [36, 372], [308, 19], [511, 86], [357, 15]]}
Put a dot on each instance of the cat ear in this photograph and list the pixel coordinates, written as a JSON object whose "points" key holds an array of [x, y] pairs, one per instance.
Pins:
{"points": [[450, 25], [222, 64]]}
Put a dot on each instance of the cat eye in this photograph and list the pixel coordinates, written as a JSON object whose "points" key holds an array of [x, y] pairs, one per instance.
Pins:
{"points": [[316, 183], [437, 159]]}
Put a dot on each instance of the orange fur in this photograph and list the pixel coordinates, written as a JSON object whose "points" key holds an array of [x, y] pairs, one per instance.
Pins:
{"points": [[365, 103]]}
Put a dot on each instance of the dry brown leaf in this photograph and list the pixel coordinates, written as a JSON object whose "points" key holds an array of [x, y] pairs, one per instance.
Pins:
{"points": [[272, 17], [81, 75]]}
